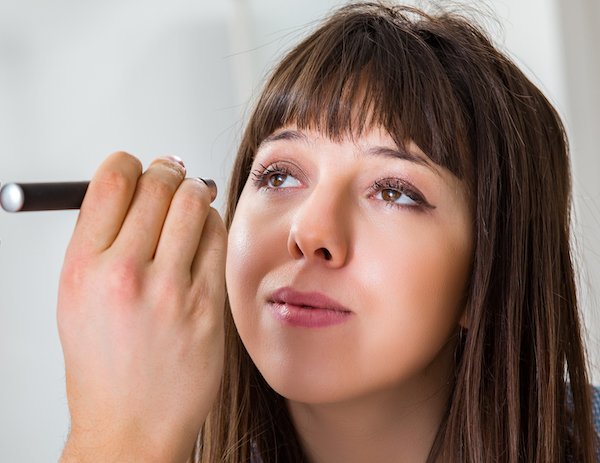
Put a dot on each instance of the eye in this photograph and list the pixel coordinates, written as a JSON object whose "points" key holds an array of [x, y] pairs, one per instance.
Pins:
{"points": [[398, 193], [396, 196], [275, 176], [281, 180]]}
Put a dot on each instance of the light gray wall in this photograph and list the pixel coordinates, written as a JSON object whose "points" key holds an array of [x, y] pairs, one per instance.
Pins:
{"points": [[580, 21], [80, 79]]}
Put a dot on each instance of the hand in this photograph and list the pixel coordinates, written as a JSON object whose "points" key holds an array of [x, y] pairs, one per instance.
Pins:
{"points": [[140, 313]]}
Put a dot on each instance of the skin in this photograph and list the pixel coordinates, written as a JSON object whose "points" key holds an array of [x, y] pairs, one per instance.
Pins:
{"points": [[374, 387], [144, 354]]}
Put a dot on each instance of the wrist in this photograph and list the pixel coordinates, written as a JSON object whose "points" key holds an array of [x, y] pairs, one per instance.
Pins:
{"points": [[93, 447]]}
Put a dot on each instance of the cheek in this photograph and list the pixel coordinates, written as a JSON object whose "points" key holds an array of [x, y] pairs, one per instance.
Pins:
{"points": [[239, 256], [255, 246], [419, 265], [417, 288], [243, 260]]}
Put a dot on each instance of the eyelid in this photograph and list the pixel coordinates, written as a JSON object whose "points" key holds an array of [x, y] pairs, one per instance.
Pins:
{"points": [[403, 186], [261, 173]]}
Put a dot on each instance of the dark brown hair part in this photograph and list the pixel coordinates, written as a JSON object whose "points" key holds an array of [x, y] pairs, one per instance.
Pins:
{"points": [[521, 391]]}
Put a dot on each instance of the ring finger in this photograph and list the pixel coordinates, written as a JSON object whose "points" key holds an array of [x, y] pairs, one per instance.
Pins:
{"points": [[143, 224]]}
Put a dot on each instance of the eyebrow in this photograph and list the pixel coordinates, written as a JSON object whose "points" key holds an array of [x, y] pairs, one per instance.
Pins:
{"points": [[398, 154], [291, 135], [394, 153]]}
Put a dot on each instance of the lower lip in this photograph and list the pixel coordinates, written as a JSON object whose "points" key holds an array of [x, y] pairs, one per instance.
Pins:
{"points": [[307, 317]]}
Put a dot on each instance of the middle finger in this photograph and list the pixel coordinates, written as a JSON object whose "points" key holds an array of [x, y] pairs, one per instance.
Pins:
{"points": [[142, 227]]}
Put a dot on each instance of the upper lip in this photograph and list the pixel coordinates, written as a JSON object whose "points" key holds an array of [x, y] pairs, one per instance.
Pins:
{"points": [[315, 300]]}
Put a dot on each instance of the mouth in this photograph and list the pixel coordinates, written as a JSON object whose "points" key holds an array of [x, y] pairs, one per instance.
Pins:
{"points": [[307, 310], [304, 300]]}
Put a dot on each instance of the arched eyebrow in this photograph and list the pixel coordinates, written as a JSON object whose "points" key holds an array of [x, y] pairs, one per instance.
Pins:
{"points": [[385, 151], [396, 153], [292, 135]]}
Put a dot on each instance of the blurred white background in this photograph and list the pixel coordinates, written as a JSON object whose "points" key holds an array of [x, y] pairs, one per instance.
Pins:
{"points": [[80, 79]]}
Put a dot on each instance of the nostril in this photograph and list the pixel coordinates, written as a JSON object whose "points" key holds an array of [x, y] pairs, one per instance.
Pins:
{"points": [[325, 252]]}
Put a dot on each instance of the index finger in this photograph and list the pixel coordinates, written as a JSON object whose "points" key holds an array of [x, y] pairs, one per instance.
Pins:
{"points": [[106, 203]]}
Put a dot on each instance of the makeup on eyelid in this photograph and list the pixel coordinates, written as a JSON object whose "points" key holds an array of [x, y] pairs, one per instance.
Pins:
{"points": [[278, 155], [263, 175]]}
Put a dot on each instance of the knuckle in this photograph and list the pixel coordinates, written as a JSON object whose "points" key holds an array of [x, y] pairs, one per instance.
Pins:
{"points": [[156, 186], [116, 179], [75, 272], [125, 158], [192, 200], [203, 187], [123, 280], [168, 167]]}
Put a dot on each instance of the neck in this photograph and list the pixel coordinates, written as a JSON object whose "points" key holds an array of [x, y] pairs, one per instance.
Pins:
{"points": [[396, 425]]}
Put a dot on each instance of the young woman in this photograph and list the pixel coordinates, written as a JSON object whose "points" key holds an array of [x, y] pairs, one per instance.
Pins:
{"points": [[399, 279]]}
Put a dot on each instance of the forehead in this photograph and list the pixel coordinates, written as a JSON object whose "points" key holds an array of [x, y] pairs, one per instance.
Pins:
{"points": [[376, 143]]}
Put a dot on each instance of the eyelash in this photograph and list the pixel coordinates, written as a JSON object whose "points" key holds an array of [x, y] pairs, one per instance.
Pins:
{"points": [[261, 176], [403, 187]]}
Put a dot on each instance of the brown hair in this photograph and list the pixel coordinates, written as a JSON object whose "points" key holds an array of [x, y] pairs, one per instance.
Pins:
{"points": [[521, 388]]}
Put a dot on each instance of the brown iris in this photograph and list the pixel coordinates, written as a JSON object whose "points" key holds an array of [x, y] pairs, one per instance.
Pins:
{"points": [[390, 195], [277, 179]]}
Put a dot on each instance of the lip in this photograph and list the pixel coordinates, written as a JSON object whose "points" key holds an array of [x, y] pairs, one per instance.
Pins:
{"points": [[307, 309]]}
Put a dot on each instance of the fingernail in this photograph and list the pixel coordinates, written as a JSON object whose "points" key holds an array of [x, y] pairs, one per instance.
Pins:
{"points": [[212, 186], [176, 159]]}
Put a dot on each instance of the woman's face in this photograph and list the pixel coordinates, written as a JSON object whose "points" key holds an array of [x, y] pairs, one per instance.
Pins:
{"points": [[347, 265]]}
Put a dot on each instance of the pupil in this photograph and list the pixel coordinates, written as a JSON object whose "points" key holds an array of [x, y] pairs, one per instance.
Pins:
{"points": [[278, 179], [390, 195]]}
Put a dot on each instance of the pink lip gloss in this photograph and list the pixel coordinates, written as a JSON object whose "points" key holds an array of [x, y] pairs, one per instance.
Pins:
{"points": [[307, 317]]}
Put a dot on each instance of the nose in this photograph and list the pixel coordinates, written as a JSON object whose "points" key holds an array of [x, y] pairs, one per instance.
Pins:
{"points": [[320, 228]]}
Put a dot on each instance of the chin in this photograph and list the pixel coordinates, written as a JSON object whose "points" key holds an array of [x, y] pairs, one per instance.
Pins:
{"points": [[309, 387], [309, 395]]}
